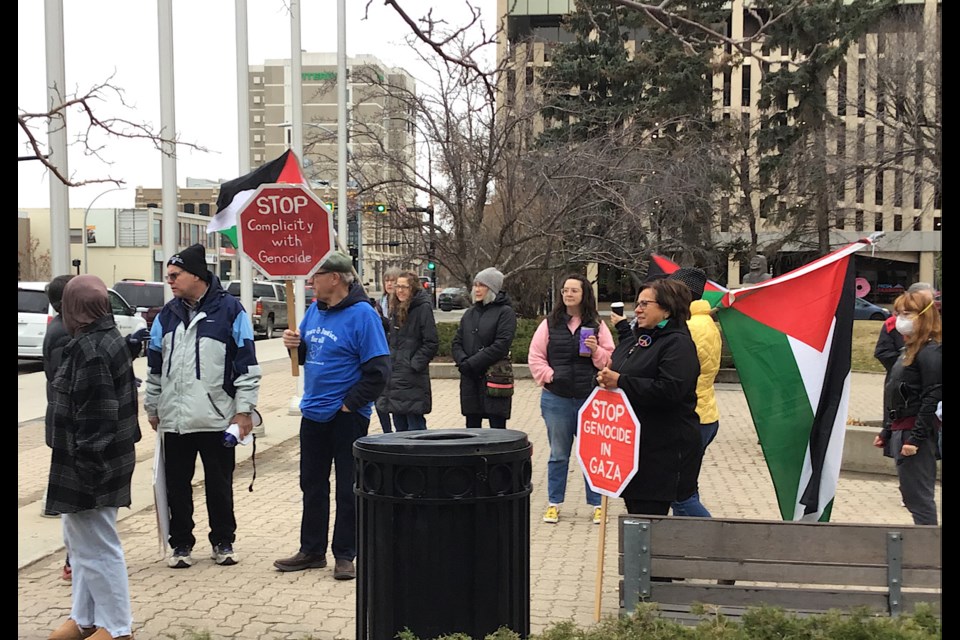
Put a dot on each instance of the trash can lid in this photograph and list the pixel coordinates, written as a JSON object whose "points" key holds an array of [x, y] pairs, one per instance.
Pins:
{"points": [[444, 442]]}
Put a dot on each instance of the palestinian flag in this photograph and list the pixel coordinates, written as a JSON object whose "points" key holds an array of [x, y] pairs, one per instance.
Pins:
{"points": [[791, 339], [661, 267], [235, 194]]}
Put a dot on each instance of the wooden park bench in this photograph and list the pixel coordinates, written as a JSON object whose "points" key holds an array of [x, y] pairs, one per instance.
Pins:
{"points": [[797, 566]]}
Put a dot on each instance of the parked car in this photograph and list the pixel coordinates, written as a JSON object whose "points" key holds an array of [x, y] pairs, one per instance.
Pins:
{"points": [[34, 313], [453, 298], [146, 296], [864, 310], [269, 313]]}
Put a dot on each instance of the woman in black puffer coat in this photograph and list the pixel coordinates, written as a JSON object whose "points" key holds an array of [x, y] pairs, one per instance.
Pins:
{"points": [[484, 336], [413, 344]]}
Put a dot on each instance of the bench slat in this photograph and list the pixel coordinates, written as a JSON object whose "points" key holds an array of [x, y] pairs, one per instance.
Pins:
{"points": [[809, 600], [857, 544], [803, 573]]}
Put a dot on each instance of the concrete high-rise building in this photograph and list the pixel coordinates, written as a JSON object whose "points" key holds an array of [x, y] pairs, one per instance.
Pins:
{"points": [[374, 119], [902, 198]]}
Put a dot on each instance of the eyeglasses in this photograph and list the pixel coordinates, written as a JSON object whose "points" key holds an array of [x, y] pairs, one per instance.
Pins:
{"points": [[642, 304], [172, 277], [402, 286]]}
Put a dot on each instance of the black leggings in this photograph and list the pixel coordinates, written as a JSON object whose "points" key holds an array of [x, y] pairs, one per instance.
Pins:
{"points": [[647, 507], [475, 421]]}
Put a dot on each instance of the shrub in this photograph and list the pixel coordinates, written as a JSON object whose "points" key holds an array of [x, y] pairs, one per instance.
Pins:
{"points": [[758, 623], [521, 340]]}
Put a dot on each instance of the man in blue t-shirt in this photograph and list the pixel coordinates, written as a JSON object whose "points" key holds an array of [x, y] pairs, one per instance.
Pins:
{"points": [[346, 364]]}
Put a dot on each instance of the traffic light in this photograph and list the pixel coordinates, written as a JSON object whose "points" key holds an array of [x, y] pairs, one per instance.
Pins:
{"points": [[431, 265], [354, 255], [380, 208]]}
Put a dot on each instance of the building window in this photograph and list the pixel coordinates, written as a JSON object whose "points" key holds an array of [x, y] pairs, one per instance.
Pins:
{"points": [[258, 157], [897, 222], [936, 223], [841, 218], [257, 137], [157, 232], [898, 188], [726, 88], [878, 188], [745, 89], [916, 223], [189, 208], [859, 186], [861, 88], [257, 99], [839, 185], [841, 142], [257, 79], [725, 214], [258, 119], [842, 89], [205, 209], [528, 76], [917, 192], [76, 236], [858, 221], [878, 221]]}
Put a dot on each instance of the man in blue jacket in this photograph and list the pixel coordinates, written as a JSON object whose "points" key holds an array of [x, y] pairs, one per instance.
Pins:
{"points": [[202, 376], [346, 362]]}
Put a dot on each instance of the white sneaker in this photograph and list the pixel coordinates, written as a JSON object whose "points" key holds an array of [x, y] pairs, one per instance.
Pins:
{"points": [[180, 558]]}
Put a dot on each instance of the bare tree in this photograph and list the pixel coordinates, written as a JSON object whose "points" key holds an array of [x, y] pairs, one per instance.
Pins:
{"points": [[94, 131]]}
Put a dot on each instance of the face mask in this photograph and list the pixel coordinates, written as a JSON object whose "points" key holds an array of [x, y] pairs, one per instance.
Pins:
{"points": [[904, 326]]}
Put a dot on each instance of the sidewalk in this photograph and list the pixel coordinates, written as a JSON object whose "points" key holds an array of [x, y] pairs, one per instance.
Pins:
{"points": [[252, 600]]}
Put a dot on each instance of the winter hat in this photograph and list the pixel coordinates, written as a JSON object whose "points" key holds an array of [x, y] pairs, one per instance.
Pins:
{"points": [[695, 279], [492, 278], [193, 260], [337, 262]]}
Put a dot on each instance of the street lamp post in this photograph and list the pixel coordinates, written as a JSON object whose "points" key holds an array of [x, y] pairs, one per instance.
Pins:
{"points": [[86, 263]]}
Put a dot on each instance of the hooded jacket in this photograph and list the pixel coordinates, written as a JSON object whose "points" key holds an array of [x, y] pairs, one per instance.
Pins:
{"points": [[201, 372], [658, 373], [92, 422], [484, 336], [706, 336], [412, 346]]}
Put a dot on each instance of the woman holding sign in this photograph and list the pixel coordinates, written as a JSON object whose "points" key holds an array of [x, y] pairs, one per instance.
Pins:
{"points": [[568, 349], [656, 366]]}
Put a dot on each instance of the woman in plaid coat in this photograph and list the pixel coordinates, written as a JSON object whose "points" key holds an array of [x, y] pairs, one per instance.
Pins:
{"points": [[92, 428]]}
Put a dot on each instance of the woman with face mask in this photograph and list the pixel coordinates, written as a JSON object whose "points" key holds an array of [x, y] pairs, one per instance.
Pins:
{"points": [[657, 367], [912, 392]]}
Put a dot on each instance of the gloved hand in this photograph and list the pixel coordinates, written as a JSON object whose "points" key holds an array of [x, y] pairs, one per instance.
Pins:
{"points": [[466, 370], [136, 340]]}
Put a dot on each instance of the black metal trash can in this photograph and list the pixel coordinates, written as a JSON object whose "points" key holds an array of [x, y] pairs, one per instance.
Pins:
{"points": [[443, 532]]}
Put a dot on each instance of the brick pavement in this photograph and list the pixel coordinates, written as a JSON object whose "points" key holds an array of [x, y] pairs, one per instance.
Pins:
{"points": [[253, 601]]}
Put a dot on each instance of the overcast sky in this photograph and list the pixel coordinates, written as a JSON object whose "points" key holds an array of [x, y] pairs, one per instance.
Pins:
{"points": [[118, 38]]}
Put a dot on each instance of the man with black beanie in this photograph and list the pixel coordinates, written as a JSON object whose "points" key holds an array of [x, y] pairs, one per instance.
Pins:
{"points": [[191, 401]]}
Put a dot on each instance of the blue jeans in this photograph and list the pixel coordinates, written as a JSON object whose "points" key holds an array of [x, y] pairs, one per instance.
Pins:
{"points": [[692, 507], [409, 422], [323, 444], [101, 592], [560, 416]]}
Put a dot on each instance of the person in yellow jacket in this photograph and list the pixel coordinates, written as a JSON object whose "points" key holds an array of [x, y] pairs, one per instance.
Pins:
{"points": [[703, 330]]}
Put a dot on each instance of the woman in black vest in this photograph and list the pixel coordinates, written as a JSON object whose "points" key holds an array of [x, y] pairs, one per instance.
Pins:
{"points": [[564, 360], [413, 344]]}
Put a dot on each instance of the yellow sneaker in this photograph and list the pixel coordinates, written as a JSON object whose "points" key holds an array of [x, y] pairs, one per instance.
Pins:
{"points": [[597, 515], [552, 515]]}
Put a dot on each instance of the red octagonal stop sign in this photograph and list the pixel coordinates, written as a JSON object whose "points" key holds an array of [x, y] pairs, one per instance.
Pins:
{"points": [[285, 230], [608, 441]]}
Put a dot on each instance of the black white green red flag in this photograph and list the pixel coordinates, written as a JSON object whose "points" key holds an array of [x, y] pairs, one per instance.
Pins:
{"points": [[791, 339], [236, 193], [663, 266]]}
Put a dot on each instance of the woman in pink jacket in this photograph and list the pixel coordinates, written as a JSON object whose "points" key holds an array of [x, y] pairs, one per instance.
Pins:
{"points": [[568, 349]]}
